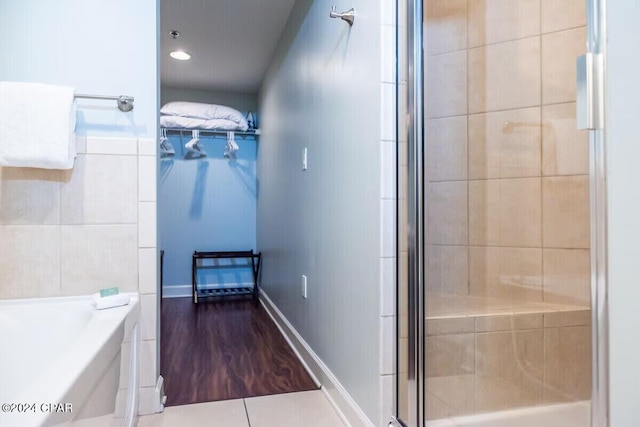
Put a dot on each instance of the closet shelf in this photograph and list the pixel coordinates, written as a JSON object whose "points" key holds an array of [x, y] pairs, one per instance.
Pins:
{"points": [[251, 132]]}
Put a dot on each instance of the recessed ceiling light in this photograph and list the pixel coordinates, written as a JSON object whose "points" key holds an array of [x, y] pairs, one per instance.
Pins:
{"points": [[180, 55]]}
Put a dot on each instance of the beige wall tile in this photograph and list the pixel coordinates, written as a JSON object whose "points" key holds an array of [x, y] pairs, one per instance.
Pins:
{"points": [[148, 266], [567, 276], [567, 364], [504, 144], [148, 316], [447, 83], [388, 170], [388, 286], [509, 369], [103, 189], [450, 355], [562, 15], [147, 365], [81, 144], [447, 269], [454, 325], [147, 178], [494, 21], [447, 149], [568, 318], [565, 149], [566, 212], [446, 26], [559, 53], [508, 322], [147, 146], [386, 405], [509, 273], [505, 212], [504, 76], [456, 392], [435, 407], [99, 256], [387, 332], [447, 213], [147, 225], [108, 145], [388, 118], [29, 261], [30, 196]]}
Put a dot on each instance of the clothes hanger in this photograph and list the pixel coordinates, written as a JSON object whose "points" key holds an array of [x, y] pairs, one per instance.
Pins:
{"points": [[165, 145], [194, 146], [232, 147]]}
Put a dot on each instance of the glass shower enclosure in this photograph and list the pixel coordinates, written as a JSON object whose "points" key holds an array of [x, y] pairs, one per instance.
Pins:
{"points": [[501, 298]]}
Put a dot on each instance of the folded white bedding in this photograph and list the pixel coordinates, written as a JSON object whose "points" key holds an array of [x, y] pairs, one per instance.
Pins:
{"points": [[202, 111], [177, 122]]}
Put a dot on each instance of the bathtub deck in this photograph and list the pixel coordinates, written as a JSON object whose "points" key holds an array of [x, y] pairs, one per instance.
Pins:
{"points": [[225, 350]]}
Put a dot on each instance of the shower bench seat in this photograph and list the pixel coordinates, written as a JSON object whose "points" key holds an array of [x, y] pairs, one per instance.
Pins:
{"points": [[488, 354], [227, 291]]}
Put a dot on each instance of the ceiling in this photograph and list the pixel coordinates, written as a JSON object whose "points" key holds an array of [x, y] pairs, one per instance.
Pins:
{"points": [[231, 42]]}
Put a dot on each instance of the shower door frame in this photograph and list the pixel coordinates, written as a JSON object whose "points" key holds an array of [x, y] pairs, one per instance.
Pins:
{"points": [[414, 109]]}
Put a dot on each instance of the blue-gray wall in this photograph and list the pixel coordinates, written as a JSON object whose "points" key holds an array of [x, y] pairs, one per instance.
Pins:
{"points": [[206, 204], [323, 92], [623, 222], [104, 48]]}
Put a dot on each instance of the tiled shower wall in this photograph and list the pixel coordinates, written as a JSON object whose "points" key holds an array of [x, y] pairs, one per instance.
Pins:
{"points": [[74, 232], [507, 206], [508, 173]]}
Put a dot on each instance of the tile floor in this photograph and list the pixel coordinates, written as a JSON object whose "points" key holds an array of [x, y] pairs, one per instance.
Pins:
{"points": [[307, 408]]}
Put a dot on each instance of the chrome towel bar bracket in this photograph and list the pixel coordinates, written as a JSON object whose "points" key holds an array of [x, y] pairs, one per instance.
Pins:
{"points": [[125, 102], [348, 16]]}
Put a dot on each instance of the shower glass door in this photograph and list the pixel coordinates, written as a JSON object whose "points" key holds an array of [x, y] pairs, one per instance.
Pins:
{"points": [[500, 282]]}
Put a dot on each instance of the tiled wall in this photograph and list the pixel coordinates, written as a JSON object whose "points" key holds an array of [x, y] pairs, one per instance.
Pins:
{"points": [[508, 191], [74, 232], [492, 363], [388, 211], [507, 206], [393, 156]]}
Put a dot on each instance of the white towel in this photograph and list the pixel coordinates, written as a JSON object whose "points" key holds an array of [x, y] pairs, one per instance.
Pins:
{"points": [[37, 125]]}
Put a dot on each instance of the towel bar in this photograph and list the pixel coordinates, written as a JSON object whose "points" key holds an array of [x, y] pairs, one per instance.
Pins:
{"points": [[125, 102]]}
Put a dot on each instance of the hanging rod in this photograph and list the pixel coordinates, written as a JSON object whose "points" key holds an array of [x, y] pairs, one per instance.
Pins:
{"points": [[125, 102], [253, 132]]}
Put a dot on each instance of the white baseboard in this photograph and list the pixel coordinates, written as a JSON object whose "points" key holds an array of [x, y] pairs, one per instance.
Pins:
{"points": [[186, 291], [347, 408]]}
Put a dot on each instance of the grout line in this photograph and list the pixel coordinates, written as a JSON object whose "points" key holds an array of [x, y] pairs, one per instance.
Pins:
{"points": [[467, 152], [444, 181], [59, 226], [246, 411], [541, 162]]}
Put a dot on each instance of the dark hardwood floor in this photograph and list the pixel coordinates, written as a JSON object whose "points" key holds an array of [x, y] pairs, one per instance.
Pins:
{"points": [[225, 350]]}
